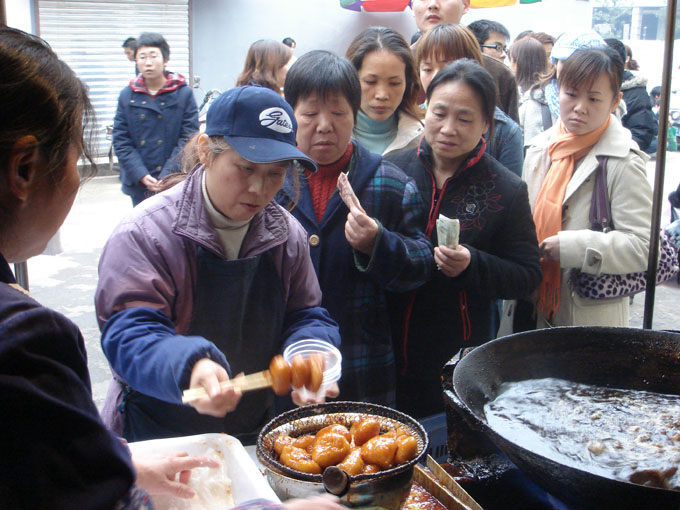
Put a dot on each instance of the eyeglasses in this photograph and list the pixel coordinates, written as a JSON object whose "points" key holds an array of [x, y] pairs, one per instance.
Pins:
{"points": [[152, 57], [500, 47]]}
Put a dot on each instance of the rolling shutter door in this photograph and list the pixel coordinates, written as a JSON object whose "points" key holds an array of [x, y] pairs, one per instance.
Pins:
{"points": [[88, 36]]}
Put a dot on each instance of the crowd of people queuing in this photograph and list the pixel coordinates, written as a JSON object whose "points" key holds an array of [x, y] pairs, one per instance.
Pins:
{"points": [[240, 245]]}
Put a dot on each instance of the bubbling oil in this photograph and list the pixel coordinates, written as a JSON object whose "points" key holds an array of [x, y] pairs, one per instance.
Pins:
{"points": [[627, 435]]}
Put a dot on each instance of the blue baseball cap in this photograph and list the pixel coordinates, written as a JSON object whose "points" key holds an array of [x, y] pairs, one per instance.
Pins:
{"points": [[258, 124], [569, 42]]}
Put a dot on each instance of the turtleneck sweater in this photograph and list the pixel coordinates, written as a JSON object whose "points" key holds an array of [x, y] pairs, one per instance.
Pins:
{"points": [[376, 135], [230, 232], [322, 184]]}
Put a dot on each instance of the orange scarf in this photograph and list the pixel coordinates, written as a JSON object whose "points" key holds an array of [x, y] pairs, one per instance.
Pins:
{"points": [[564, 149]]}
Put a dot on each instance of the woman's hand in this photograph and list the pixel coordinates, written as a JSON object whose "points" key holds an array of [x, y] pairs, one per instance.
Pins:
{"points": [[150, 182], [157, 474], [208, 375], [549, 249], [452, 262], [361, 230], [331, 392], [324, 502]]}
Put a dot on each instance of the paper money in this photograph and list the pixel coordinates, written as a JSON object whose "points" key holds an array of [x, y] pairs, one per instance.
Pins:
{"points": [[347, 193], [448, 231]]}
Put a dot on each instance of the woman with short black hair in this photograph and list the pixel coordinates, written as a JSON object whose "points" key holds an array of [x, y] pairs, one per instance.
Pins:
{"points": [[497, 254], [359, 252]]}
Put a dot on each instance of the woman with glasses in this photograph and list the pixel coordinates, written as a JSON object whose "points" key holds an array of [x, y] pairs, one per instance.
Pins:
{"points": [[156, 115]]}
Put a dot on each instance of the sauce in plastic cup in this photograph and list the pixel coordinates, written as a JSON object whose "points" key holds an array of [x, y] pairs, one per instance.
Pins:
{"points": [[332, 360]]}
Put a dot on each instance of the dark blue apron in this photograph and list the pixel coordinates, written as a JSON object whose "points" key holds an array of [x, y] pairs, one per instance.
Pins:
{"points": [[239, 306]]}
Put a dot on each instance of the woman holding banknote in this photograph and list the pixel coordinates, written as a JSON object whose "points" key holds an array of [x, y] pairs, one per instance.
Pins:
{"points": [[364, 243], [496, 255]]}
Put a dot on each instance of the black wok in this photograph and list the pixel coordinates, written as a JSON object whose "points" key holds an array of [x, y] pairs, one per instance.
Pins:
{"points": [[611, 357]]}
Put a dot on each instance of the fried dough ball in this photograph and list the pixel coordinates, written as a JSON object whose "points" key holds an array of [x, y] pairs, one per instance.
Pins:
{"points": [[280, 372], [335, 429], [364, 429], [316, 363], [298, 459], [305, 442], [330, 449], [281, 441], [407, 448], [299, 371], [370, 468], [380, 450], [353, 464]]}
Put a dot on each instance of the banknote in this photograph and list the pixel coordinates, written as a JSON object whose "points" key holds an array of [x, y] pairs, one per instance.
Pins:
{"points": [[448, 231]]}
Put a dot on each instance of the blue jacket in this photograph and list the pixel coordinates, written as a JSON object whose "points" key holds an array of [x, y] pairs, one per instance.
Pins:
{"points": [[151, 259], [150, 131], [354, 285], [507, 143]]}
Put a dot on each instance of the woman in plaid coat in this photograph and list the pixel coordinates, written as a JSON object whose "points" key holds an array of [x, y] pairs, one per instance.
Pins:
{"points": [[360, 253]]}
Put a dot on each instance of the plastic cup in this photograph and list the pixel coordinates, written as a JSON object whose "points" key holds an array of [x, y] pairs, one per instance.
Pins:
{"points": [[332, 360]]}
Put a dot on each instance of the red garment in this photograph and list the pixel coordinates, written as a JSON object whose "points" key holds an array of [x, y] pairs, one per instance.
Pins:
{"points": [[324, 182], [173, 81]]}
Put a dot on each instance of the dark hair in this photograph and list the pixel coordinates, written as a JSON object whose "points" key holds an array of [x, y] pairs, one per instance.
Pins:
{"points": [[43, 97], [381, 38], [583, 67], [543, 38], [289, 41], [153, 40], [448, 42], [632, 64], [130, 42], [619, 47], [656, 91], [522, 35], [482, 29], [324, 73], [474, 76], [530, 61], [265, 57]]}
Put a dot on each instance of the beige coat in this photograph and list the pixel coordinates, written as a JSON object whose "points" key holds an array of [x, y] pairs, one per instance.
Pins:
{"points": [[409, 132], [620, 251]]}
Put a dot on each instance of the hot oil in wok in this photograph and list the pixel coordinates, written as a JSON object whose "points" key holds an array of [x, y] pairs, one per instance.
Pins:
{"points": [[622, 434]]}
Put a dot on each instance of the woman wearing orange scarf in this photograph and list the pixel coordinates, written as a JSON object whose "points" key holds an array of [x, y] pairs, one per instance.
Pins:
{"points": [[560, 167]]}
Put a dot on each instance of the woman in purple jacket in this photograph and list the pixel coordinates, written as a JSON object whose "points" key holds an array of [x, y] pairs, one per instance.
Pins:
{"points": [[209, 279]]}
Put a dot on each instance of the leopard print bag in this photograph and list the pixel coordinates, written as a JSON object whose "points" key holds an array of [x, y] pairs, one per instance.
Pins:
{"points": [[609, 286]]}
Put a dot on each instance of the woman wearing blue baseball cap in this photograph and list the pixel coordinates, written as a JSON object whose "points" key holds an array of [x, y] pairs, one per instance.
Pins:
{"points": [[209, 279]]}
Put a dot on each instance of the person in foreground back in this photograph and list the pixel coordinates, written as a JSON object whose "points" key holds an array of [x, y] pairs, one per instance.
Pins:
{"points": [[56, 452], [559, 169]]}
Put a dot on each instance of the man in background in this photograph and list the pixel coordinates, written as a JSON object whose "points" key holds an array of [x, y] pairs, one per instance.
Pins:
{"points": [[492, 37], [429, 13]]}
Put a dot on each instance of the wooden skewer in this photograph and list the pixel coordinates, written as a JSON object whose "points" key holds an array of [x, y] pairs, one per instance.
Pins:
{"points": [[250, 382]]}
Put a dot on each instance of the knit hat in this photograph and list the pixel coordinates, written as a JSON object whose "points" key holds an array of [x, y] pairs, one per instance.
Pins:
{"points": [[258, 124], [569, 42]]}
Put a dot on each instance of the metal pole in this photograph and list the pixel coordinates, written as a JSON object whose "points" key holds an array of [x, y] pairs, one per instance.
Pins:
{"points": [[671, 9], [21, 274]]}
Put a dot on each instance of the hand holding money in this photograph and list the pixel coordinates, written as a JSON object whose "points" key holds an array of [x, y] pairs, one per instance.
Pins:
{"points": [[360, 229], [347, 193], [448, 231]]}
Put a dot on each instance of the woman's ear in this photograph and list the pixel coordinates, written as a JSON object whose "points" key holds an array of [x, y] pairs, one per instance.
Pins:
{"points": [[617, 100], [203, 147], [23, 167]]}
